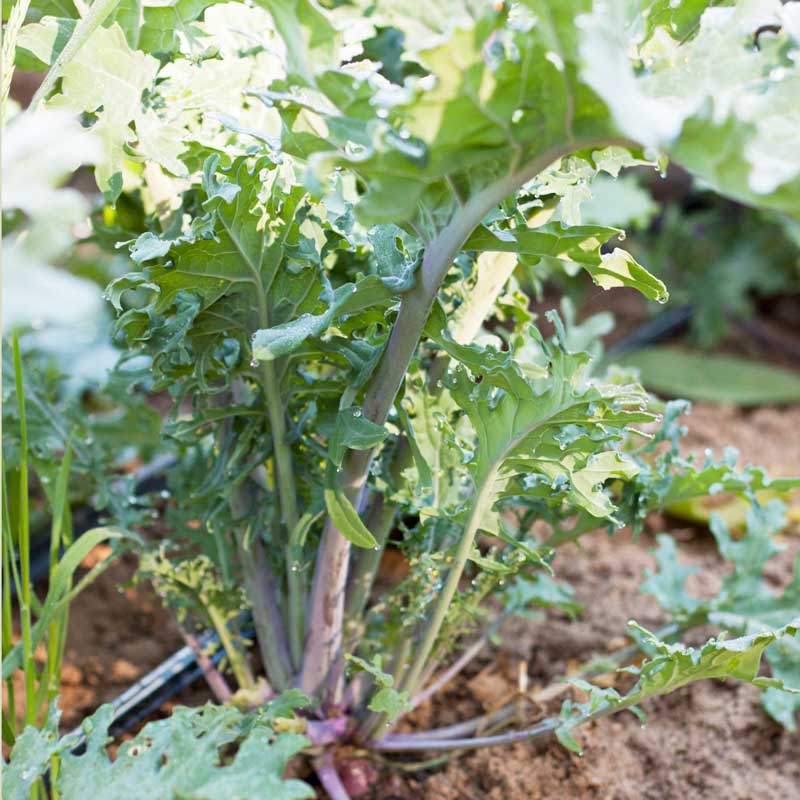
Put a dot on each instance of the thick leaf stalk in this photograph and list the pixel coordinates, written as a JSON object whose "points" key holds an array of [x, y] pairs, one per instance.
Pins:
{"points": [[326, 610]]}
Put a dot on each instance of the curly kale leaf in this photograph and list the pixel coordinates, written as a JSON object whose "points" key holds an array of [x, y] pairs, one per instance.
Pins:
{"points": [[675, 665], [185, 756]]}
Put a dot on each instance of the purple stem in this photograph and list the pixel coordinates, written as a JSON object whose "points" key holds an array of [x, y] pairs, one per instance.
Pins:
{"points": [[214, 678], [262, 591], [445, 677], [354, 690], [461, 728], [327, 731], [325, 767], [398, 744]]}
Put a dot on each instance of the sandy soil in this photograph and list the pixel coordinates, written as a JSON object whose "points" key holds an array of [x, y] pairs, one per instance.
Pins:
{"points": [[709, 740]]}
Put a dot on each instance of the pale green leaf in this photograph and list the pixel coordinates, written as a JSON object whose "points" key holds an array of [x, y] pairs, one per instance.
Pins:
{"points": [[621, 202], [728, 83], [580, 245], [182, 756], [746, 604], [310, 38], [390, 702], [713, 378], [675, 665], [105, 77], [164, 23], [281, 340], [387, 700]]}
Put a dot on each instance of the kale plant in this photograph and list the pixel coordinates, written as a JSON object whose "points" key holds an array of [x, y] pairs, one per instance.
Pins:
{"points": [[335, 207]]}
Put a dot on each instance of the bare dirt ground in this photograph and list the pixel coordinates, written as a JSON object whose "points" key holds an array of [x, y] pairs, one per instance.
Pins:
{"points": [[709, 740]]}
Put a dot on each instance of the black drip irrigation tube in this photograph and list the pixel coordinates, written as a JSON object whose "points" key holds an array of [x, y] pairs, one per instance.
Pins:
{"points": [[665, 325], [181, 668], [153, 690], [149, 693]]}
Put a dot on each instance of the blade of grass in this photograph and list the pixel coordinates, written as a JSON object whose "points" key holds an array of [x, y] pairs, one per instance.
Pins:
{"points": [[9, 734], [23, 542], [58, 629], [59, 593], [58, 503], [67, 539], [10, 717]]}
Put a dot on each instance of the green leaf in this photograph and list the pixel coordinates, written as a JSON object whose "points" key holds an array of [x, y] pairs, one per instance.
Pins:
{"points": [[310, 38], [387, 700], [38, 46], [106, 77], [31, 755], [521, 443], [541, 591], [353, 431], [580, 245], [391, 702], [492, 95], [344, 515], [127, 15], [713, 378], [226, 280], [182, 756], [373, 668], [50, 8], [286, 703], [148, 247], [668, 584], [675, 665], [396, 266], [281, 340], [678, 17], [503, 368], [619, 202], [567, 740], [668, 480], [784, 664], [600, 467], [163, 24], [746, 604]]}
